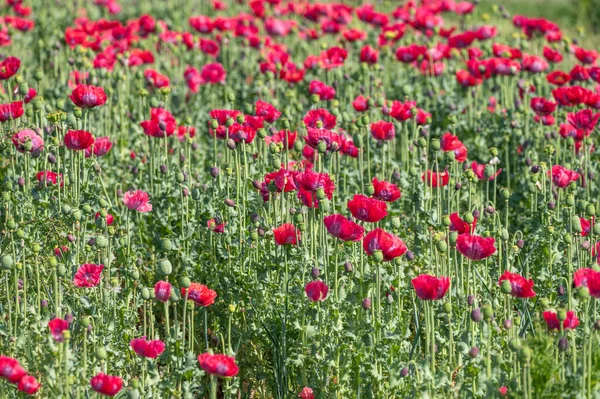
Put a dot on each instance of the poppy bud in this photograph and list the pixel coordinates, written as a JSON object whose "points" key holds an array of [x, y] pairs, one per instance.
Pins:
{"points": [[474, 352], [101, 353], [404, 372], [596, 325], [164, 267], [476, 315], [447, 307], [490, 210], [229, 202], [441, 246], [450, 156], [315, 272], [366, 303], [348, 267], [504, 234], [563, 344], [507, 324], [410, 255], [524, 354]]}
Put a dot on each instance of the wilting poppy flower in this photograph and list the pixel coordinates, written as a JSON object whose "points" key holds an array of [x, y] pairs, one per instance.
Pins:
{"points": [[28, 141], [385, 191], [383, 130], [9, 67], [88, 275], [107, 385], [460, 226], [436, 179], [286, 234], [85, 96], [562, 177], [450, 142], [11, 370], [162, 291], [101, 147], [316, 290], [479, 170], [200, 294], [553, 323], [147, 349], [343, 228], [137, 201], [28, 385], [220, 365], [11, 111], [56, 327], [49, 177], [475, 247], [367, 209], [520, 286], [77, 140], [306, 393], [380, 240], [430, 288], [267, 111]]}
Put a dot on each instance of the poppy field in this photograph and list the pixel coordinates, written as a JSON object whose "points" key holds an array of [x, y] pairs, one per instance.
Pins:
{"points": [[297, 199]]}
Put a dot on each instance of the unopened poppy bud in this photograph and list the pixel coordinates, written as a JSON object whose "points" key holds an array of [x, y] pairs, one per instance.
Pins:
{"points": [[410, 255], [457, 186], [348, 267], [507, 324], [229, 202], [563, 344], [164, 267], [231, 144], [524, 354], [378, 256], [476, 315], [474, 352], [597, 325], [490, 210], [366, 303], [315, 272], [504, 234], [447, 307], [452, 237], [404, 372]]}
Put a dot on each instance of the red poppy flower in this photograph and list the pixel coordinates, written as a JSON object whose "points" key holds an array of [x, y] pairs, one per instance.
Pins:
{"points": [[320, 119], [11, 370], [323, 91], [161, 123], [11, 111], [267, 111], [77, 140], [449, 142], [436, 179], [137, 201], [156, 79], [430, 288], [466, 79], [28, 385], [460, 226], [570, 323], [147, 349], [479, 170], [422, 117], [410, 53], [367, 209], [316, 291], [162, 291], [581, 276], [380, 240], [28, 141], [56, 327], [579, 74], [369, 55], [213, 73], [9, 67], [88, 96], [216, 227], [200, 294], [88, 275], [312, 181], [286, 137], [201, 23], [402, 111], [101, 147], [558, 78], [385, 191], [570, 96], [505, 51], [583, 120], [520, 286], [343, 228], [586, 56], [534, 64], [562, 177], [286, 234], [360, 104], [220, 365], [108, 385], [475, 247], [306, 393], [541, 106], [49, 177], [383, 130], [31, 94]]}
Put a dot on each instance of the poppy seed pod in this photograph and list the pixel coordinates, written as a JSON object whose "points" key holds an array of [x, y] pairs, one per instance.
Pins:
{"points": [[7, 262], [488, 312], [164, 267], [524, 354], [378, 256], [145, 293], [583, 292]]}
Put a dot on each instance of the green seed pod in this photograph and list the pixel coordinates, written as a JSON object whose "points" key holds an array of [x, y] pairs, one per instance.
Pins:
{"points": [[101, 241], [590, 210], [504, 234], [468, 217], [441, 246], [145, 293], [61, 270], [7, 262], [166, 245], [53, 261], [36, 247], [447, 307], [20, 233], [325, 204], [583, 292], [487, 311], [570, 200], [505, 193], [185, 281], [86, 321], [135, 274], [320, 194], [450, 156], [446, 221], [435, 144], [164, 267], [11, 224], [597, 228], [396, 222], [101, 353], [76, 214], [378, 256], [524, 354], [514, 344], [133, 394], [452, 237], [576, 224], [561, 314], [506, 287]]}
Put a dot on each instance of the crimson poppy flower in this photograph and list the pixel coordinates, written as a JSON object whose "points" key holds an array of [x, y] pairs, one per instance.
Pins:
{"points": [[88, 275], [402, 111], [360, 104], [583, 120], [520, 286], [306, 393], [579, 74], [320, 119], [156, 79], [267, 111], [85, 96], [343, 228], [137, 201], [464, 78], [56, 327], [562, 177], [316, 291], [9, 67], [162, 291], [108, 385], [505, 51], [200, 294], [367, 209], [215, 226], [282, 180], [450, 142], [380, 240], [209, 47], [219, 365], [586, 56], [201, 23], [286, 234], [28, 385], [11, 111], [161, 123], [59, 251], [101, 147], [570, 96], [436, 179], [422, 117], [558, 78], [541, 106], [475, 247], [312, 181], [147, 349], [430, 288], [385, 191], [581, 276], [383, 130], [534, 64], [11, 370], [288, 138], [479, 170], [460, 226], [77, 140], [321, 90], [28, 141], [410, 53], [570, 323], [49, 177], [369, 55], [31, 94], [213, 73]]}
